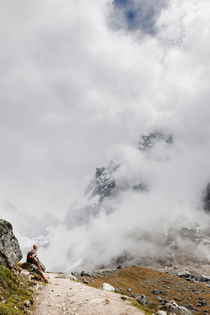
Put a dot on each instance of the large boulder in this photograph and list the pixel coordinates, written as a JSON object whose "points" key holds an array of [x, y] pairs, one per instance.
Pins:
{"points": [[10, 252], [107, 287]]}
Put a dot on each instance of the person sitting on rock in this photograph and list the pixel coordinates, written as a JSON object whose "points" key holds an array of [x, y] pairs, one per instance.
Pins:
{"points": [[32, 258]]}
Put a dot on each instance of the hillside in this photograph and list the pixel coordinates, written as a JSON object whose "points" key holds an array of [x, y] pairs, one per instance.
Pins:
{"points": [[158, 287], [17, 290]]}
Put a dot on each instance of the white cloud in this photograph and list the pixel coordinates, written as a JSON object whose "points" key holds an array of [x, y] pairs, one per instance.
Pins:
{"points": [[74, 92]]}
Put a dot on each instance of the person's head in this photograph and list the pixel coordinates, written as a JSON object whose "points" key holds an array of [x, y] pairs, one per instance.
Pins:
{"points": [[35, 246]]}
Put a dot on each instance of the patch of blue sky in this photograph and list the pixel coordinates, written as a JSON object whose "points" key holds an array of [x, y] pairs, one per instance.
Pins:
{"points": [[137, 14]]}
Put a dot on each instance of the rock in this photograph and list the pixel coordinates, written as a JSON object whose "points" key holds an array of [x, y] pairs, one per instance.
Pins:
{"points": [[119, 267], [35, 269], [2, 300], [185, 274], [156, 292], [147, 142], [205, 278], [141, 299], [149, 303], [160, 313], [85, 281], [134, 295], [72, 277], [190, 307], [27, 303], [118, 290], [10, 252], [173, 307], [25, 273], [107, 287], [129, 290], [158, 298]]}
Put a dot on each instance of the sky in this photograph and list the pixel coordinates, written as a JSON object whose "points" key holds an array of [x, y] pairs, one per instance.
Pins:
{"points": [[81, 81]]}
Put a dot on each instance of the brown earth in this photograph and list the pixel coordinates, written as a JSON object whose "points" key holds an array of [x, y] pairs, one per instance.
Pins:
{"points": [[143, 280]]}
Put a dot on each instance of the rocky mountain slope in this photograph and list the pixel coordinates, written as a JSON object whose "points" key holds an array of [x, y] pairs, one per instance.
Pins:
{"points": [[179, 236], [154, 290]]}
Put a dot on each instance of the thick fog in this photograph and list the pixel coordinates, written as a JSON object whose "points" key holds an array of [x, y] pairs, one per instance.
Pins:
{"points": [[81, 83]]}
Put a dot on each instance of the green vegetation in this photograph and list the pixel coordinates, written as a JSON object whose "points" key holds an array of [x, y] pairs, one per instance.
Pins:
{"points": [[144, 309], [16, 293]]}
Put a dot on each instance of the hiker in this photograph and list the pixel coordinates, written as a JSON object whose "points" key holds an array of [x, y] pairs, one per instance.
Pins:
{"points": [[32, 258]]}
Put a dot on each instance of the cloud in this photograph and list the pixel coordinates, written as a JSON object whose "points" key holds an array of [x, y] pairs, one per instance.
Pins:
{"points": [[76, 92]]}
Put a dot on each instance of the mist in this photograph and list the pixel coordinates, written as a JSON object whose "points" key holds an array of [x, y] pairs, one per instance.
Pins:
{"points": [[81, 83]]}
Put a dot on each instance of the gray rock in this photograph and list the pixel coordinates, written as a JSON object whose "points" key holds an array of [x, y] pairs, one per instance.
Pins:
{"points": [[158, 298], [134, 295], [190, 307], [141, 299], [10, 252], [147, 142], [149, 303], [118, 290], [85, 281], [203, 303], [160, 313], [156, 292], [185, 274], [129, 290], [173, 307], [205, 278]]}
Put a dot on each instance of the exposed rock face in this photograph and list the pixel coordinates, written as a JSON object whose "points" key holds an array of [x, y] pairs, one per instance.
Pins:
{"points": [[147, 142], [10, 252], [103, 184]]}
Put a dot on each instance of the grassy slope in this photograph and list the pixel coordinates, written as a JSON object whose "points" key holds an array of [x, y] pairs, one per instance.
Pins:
{"points": [[15, 290], [144, 280]]}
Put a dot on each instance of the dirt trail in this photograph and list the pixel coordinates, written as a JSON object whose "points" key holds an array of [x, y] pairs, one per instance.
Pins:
{"points": [[64, 296]]}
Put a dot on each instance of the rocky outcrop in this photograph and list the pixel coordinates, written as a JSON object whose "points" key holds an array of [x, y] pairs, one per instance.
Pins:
{"points": [[103, 183], [147, 142], [10, 252]]}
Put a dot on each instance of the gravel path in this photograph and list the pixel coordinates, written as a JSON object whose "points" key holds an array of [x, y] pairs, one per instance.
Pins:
{"points": [[64, 296]]}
